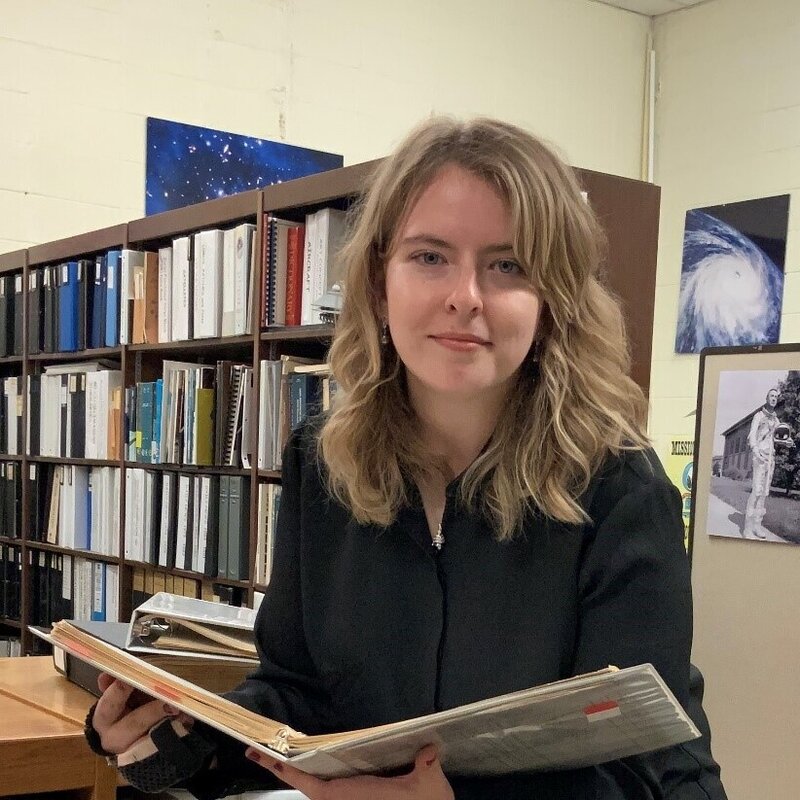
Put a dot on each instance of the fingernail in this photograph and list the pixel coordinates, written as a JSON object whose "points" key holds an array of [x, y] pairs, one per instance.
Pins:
{"points": [[430, 762], [253, 755], [173, 712]]}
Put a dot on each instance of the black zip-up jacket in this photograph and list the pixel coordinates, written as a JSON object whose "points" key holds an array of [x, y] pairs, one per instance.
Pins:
{"points": [[362, 626]]}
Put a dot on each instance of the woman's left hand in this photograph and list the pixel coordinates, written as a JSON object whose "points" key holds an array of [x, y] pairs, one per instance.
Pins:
{"points": [[425, 782]]}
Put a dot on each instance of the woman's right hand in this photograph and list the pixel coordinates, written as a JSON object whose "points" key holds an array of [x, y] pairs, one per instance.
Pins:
{"points": [[124, 715]]}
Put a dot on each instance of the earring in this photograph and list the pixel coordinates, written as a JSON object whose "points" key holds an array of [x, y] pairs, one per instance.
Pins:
{"points": [[385, 333]]}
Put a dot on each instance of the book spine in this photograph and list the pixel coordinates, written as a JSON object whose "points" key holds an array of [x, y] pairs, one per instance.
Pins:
{"points": [[34, 314], [294, 275], [230, 244], [151, 298], [98, 332], [19, 300], [224, 515], [155, 445], [241, 275], [165, 294], [112, 297], [309, 261], [85, 297]]}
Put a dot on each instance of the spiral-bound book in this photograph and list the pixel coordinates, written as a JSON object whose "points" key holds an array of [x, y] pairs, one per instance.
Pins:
{"points": [[580, 721]]}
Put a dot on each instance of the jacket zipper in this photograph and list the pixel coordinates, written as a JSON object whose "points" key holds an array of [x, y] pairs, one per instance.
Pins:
{"points": [[438, 541]]}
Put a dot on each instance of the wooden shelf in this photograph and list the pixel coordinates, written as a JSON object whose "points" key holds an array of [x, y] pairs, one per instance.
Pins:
{"points": [[189, 468], [9, 457], [222, 211], [83, 244], [295, 198], [297, 332], [110, 353], [79, 462], [11, 623], [14, 261], [271, 474], [193, 345], [11, 360], [9, 540], [185, 573], [88, 554]]}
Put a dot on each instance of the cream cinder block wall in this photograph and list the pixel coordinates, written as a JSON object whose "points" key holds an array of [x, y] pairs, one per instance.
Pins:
{"points": [[728, 128], [78, 79]]}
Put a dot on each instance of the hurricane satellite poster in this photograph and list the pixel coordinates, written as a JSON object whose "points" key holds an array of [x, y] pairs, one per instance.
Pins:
{"points": [[732, 274], [188, 164]]}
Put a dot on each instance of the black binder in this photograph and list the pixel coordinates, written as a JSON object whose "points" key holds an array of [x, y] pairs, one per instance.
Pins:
{"points": [[63, 398], [50, 302], [77, 414], [4, 332], [85, 301], [37, 500], [171, 482], [212, 534], [3, 511], [238, 527], [19, 300], [34, 414], [155, 518], [97, 337], [35, 311]]}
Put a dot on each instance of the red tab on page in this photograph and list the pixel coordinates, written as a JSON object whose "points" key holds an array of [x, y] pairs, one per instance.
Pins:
{"points": [[599, 711]]}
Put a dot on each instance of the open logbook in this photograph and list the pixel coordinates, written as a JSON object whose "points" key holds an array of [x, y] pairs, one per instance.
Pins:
{"points": [[576, 722]]}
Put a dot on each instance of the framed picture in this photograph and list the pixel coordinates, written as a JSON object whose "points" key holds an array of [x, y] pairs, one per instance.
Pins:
{"points": [[731, 289], [746, 481]]}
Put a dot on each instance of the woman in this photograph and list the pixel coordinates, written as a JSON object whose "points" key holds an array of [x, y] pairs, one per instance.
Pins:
{"points": [[480, 512]]}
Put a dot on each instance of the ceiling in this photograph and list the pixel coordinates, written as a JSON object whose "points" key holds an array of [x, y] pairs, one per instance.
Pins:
{"points": [[651, 8]]}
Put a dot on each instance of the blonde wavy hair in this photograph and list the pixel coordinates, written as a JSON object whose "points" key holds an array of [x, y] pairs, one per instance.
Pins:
{"points": [[573, 402]]}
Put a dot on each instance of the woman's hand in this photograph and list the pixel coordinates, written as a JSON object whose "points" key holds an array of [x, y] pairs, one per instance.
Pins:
{"points": [[123, 715], [425, 782]]}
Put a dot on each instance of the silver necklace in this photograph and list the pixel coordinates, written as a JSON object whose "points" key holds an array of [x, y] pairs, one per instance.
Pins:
{"points": [[438, 539]]}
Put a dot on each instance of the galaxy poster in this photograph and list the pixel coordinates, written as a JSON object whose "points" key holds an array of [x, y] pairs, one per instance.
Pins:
{"points": [[188, 164], [731, 288], [747, 461]]}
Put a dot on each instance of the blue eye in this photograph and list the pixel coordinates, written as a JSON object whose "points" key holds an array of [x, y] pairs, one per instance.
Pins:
{"points": [[508, 267], [428, 258]]}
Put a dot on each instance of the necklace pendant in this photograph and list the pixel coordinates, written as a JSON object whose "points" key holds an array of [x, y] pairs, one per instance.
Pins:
{"points": [[438, 539]]}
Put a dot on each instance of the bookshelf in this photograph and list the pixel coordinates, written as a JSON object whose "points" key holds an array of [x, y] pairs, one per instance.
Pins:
{"points": [[628, 210]]}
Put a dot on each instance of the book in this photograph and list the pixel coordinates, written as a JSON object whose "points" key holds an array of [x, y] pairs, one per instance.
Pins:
{"points": [[182, 302], [112, 299], [208, 291], [68, 306], [85, 299], [243, 252], [171, 622], [294, 274], [577, 722], [19, 301], [97, 335], [35, 312], [6, 317], [146, 300], [215, 675], [164, 294], [131, 277]]}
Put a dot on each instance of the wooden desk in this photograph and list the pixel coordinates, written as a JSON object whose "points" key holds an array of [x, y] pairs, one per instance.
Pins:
{"points": [[42, 748]]}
